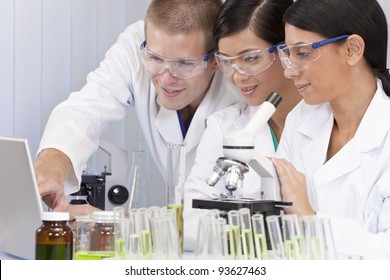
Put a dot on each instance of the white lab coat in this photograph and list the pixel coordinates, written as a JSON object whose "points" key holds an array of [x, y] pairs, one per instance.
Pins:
{"points": [[209, 150], [353, 187], [120, 82]]}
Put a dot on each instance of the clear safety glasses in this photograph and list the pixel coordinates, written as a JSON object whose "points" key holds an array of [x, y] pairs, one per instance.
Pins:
{"points": [[298, 57], [181, 68], [250, 63]]}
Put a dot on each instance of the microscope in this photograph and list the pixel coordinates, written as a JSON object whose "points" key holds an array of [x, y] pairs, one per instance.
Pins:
{"points": [[239, 153], [107, 189]]}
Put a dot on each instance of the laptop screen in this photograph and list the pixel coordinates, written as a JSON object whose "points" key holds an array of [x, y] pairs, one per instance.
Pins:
{"points": [[20, 202]]}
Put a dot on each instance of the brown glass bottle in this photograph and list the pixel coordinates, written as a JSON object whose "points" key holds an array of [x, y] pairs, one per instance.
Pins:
{"points": [[102, 233], [54, 239]]}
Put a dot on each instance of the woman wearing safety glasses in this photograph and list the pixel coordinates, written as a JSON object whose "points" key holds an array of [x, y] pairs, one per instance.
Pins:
{"points": [[334, 155], [246, 33]]}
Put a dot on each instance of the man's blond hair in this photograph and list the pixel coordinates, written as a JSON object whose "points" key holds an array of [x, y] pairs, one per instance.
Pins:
{"points": [[184, 16]]}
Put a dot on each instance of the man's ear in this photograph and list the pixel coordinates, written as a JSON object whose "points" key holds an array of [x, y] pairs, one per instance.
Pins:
{"points": [[355, 49]]}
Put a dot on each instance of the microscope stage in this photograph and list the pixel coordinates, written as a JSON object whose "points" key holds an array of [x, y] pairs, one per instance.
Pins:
{"points": [[269, 207]]}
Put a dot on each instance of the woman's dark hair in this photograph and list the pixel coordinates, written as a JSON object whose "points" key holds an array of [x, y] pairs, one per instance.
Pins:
{"points": [[331, 18], [263, 17]]}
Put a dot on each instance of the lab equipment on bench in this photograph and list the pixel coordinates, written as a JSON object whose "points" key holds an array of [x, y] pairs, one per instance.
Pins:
{"points": [[239, 153], [107, 189]]}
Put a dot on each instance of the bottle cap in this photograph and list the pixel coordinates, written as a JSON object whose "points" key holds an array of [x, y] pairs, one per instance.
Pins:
{"points": [[103, 216], [55, 216]]}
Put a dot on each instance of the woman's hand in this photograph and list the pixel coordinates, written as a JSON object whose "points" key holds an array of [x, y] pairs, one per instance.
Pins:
{"points": [[293, 188]]}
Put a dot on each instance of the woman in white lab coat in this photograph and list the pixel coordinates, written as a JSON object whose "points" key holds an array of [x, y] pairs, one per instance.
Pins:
{"points": [[334, 155], [159, 68], [246, 33]]}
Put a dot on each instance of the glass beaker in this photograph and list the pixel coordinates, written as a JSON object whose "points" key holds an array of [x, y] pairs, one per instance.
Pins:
{"points": [[95, 236]]}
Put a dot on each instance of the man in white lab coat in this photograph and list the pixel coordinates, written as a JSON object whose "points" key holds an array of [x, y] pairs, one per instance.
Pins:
{"points": [[165, 69]]}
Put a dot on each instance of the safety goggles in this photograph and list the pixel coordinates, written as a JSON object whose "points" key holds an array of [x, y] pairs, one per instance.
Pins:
{"points": [[181, 68], [298, 57], [249, 63]]}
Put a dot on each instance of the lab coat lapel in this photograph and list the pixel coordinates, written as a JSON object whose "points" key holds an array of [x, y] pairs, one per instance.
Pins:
{"points": [[367, 138], [316, 129], [345, 161], [195, 132], [167, 124], [198, 123]]}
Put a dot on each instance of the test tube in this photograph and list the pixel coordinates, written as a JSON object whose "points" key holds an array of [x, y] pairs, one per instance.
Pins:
{"points": [[135, 247], [246, 234], [234, 235], [154, 212], [142, 227], [275, 236], [172, 235], [330, 250], [160, 243], [314, 235], [216, 234], [202, 249], [121, 228], [259, 236], [293, 240], [224, 240]]}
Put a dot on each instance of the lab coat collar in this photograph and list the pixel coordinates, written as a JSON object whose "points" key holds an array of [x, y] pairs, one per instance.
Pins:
{"points": [[375, 123], [372, 129], [167, 124]]}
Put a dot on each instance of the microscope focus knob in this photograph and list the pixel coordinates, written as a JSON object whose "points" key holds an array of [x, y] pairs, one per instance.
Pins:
{"points": [[118, 194]]}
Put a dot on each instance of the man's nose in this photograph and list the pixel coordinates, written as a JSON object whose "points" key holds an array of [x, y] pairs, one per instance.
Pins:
{"points": [[168, 75]]}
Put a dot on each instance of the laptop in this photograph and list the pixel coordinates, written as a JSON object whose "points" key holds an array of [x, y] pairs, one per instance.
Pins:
{"points": [[20, 202]]}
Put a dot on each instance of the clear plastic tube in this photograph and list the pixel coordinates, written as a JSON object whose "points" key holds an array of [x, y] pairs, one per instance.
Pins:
{"points": [[246, 234], [259, 236]]}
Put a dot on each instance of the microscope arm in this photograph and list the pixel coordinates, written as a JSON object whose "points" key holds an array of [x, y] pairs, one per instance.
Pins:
{"points": [[269, 180]]}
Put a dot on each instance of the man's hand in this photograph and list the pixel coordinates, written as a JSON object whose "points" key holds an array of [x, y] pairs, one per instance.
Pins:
{"points": [[51, 169]]}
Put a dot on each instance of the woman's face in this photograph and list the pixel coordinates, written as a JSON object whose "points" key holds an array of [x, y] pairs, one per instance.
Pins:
{"points": [[256, 88], [321, 80]]}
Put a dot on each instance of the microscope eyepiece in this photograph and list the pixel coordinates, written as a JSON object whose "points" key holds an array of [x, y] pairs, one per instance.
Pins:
{"points": [[275, 99]]}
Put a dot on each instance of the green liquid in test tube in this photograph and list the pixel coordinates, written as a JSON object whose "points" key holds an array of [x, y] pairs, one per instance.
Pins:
{"points": [[259, 236], [120, 248], [146, 244], [315, 248], [246, 234], [234, 235], [175, 178], [261, 246], [235, 242], [179, 222], [142, 225], [293, 237]]}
